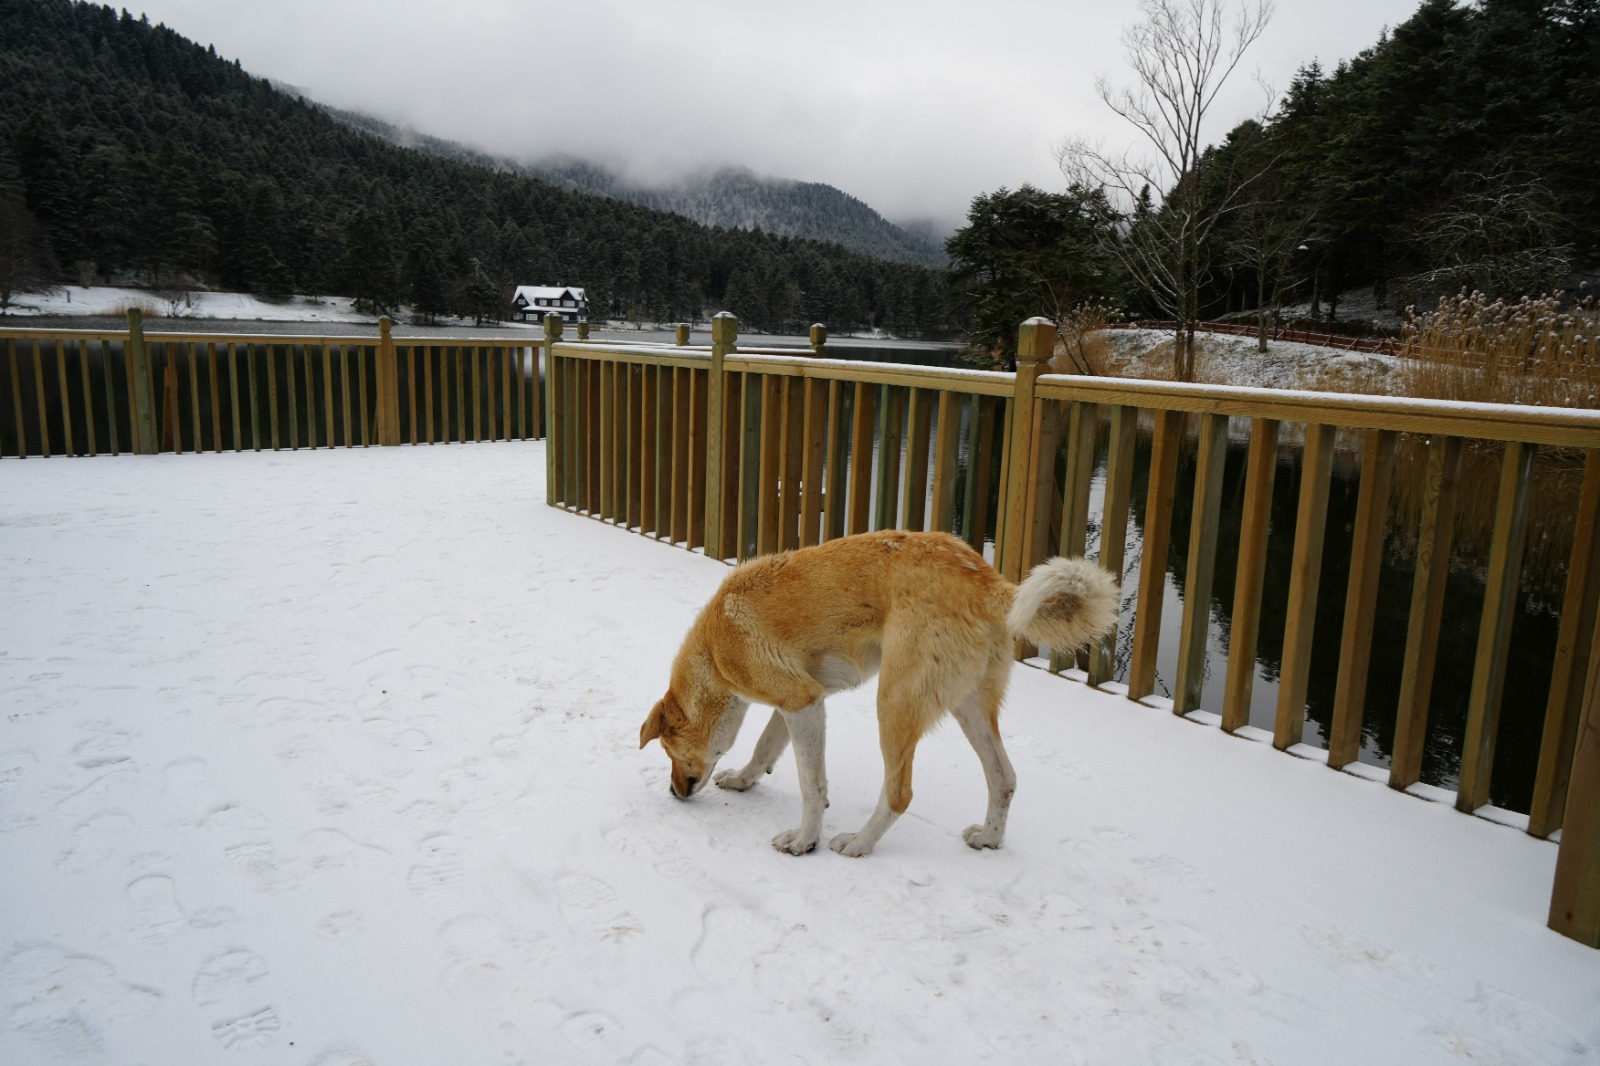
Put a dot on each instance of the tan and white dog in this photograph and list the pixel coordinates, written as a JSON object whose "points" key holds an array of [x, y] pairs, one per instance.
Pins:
{"points": [[922, 610]]}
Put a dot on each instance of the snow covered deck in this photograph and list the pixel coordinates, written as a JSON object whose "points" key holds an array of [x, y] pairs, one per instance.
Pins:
{"points": [[332, 757]]}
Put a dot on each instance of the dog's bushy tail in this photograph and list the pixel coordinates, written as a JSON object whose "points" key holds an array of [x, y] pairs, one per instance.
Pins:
{"points": [[1065, 603]]}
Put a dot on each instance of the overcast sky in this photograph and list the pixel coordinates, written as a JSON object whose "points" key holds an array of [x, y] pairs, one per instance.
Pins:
{"points": [[914, 107]]}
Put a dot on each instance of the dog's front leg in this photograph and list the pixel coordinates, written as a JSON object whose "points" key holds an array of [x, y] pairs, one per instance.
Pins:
{"points": [[773, 740], [808, 733]]}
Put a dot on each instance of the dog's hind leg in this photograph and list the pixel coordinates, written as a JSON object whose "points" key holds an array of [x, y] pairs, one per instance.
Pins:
{"points": [[769, 747], [979, 716], [807, 728]]}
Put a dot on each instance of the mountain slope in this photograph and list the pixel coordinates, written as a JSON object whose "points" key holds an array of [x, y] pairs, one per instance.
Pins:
{"points": [[738, 198], [730, 197], [148, 156]]}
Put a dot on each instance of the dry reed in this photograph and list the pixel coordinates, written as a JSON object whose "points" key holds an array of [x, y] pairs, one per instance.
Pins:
{"points": [[1532, 351]]}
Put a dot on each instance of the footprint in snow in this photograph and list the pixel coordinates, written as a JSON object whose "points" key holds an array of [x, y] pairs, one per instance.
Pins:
{"points": [[248, 1032], [226, 975]]}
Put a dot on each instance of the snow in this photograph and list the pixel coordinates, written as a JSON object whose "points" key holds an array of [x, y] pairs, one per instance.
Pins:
{"points": [[332, 758], [1224, 359], [114, 301]]}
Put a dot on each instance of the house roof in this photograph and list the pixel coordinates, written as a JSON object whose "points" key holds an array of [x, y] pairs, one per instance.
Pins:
{"points": [[548, 292]]}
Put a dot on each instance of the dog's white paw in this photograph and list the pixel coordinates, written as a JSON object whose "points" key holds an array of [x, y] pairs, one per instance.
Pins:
{"points": [[845, 844], [981, 836], [795, 842], [733, 780]]}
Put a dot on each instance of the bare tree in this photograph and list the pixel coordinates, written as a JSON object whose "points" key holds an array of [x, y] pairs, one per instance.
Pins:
{"points": [[1181, 52], [1500, 233]]}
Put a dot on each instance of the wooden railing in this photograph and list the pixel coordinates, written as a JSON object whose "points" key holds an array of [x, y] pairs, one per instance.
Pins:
{"points": [[99, 392], [745, 451]]}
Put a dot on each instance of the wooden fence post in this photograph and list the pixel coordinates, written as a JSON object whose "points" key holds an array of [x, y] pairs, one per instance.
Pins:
{"points": [[819, 340], [1036, 341], [388, 385], [724, 336], [552, 334], [1575, 898], [583, 331], [144, 409], [681, 334]]}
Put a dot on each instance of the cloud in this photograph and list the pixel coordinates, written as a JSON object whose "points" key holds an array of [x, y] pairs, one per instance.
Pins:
{"points": [[913, 107]]}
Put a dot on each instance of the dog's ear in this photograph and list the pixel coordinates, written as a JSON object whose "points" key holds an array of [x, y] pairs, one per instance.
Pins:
{"points": [[652, 724]]}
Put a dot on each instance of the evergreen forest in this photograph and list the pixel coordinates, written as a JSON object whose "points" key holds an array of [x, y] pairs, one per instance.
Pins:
{"points": [[1457, 152], [141, 155]]}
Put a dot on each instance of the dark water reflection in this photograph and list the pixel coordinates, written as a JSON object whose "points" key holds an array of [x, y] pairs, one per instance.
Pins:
{"points": [[1533, 634]]}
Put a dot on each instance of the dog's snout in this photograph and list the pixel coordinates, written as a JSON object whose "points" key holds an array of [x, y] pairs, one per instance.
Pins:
{"points": [[688, 785]]}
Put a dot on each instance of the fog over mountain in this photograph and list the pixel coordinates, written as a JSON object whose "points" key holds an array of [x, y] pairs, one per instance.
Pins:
{"points": [[727, 196]]}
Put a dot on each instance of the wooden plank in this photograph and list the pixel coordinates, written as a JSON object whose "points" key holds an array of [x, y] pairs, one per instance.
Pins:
{"points": [[724, 332], [914, 508], [892, 402], [496, 405], [861, 440], [294, 406], [1494, 631], [793, 463], [1431, 569], [68, 443], [1114, 527], [106, 363], [272, 392], [1153, 563], [774, 422], [699, 437], [748, 481], [682, 443], [459, 355], [636, 447], [16, 398], [649, 464], [1575, 895], [1361, 598], [344, 394], [44, 407], [413, 361], [947, 429], [1305, 572], [834, 491], [328, 438], [233, 394], [976, 382], [427, 392], [1244, 628], [1559, 426], [88, 396], [362, 352], [595, 435], [607, 453], [978, 475], [1036, 339], [475, 401], [733, 456], [216, 400], [255, 399], [1200, 570], [813, 447], [1579, 606]]}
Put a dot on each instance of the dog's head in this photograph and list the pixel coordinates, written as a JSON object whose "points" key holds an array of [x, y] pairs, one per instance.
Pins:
{"points": [[695, 737]]}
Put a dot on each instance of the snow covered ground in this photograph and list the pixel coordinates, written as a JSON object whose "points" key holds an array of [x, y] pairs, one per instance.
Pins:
{"points": [[1228, 360], [113, 300], [329, 758]]}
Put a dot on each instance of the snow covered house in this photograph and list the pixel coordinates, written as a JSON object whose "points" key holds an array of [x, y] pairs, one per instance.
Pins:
{"points": [[535, 301]]}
